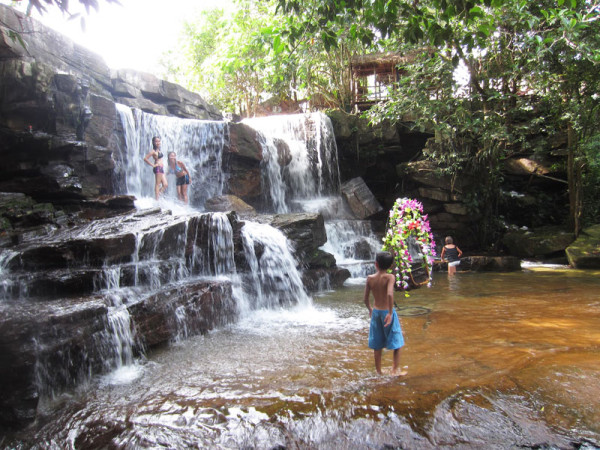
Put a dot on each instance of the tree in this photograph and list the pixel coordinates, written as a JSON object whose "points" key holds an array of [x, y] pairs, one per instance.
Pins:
{"points": [[532, 71], [63, 5], [261, 53]]}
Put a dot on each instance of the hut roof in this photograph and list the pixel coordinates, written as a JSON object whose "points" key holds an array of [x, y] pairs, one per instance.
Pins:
{"points": [[384, 60], [378, 59]]}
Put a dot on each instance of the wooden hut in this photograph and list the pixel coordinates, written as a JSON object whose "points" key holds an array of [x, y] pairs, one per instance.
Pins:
{"points": [[373, 75]]}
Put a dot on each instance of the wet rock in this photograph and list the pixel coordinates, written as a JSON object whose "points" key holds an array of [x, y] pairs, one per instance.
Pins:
{"points": [[49, 345], [319, 280], [242, 160], [202, 305], [539, 242], [284, 155], [305, 230], [483, 264], [362, 250], [490, 264], [584, 253], [224, 203], [244, 142], [361, 200], [107, 206]]}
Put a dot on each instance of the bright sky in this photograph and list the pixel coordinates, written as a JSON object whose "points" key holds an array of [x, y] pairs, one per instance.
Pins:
{"points": [[131, 35]]}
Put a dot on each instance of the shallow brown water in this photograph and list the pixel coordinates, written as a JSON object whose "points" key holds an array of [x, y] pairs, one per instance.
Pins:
{"points": [[493, 360]]}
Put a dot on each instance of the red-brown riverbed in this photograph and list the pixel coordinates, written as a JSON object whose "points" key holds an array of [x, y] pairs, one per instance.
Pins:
{"points": [[494, 361]]}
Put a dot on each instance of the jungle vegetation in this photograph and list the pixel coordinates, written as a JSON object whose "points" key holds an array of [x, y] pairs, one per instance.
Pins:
{"points": [[531, 83]]}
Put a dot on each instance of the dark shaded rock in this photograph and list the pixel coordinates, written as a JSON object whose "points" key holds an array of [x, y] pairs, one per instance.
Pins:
{"points": [[305, 230], [320, 259], [156, 96], [225, 203], [361, 200], [428, 174], [284, 155], [52, 284], [319, 280], [584, 253], [362, 250], [144, 104], [537, 243], [485, 264], [107, 206], [241, 160], [525, 166], [205, 305], [49, 345]]}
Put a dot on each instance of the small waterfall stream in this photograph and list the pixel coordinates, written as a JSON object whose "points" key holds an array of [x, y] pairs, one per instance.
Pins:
{"points": [[312, 172]]}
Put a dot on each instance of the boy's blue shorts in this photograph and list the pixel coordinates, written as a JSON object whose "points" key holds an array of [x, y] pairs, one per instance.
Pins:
{"points": [[389, 337]]}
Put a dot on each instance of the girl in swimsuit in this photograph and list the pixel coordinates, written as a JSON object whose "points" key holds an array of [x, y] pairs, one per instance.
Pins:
{"points": [[452, 254], [182, 177], [160, 180]]}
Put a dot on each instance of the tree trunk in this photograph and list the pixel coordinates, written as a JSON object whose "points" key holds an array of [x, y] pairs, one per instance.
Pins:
{"points": [[574, 180]]}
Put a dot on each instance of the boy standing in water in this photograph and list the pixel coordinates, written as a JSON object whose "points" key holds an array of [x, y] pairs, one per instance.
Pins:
{"points": [[385, 328]]}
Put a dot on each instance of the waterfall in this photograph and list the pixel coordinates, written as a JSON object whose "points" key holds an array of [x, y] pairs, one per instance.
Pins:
{"points": [[198, 143], [312, 171], [274, 280], [213, 255], [310, 182], [354, 245], [272, 175], [120, 339]]}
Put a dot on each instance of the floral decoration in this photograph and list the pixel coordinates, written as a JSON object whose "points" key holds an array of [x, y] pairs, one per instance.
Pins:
{"points": [[407, 219]]}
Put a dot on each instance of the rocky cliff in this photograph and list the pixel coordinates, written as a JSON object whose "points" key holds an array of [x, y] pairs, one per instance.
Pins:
{"points": [[59, 133]]}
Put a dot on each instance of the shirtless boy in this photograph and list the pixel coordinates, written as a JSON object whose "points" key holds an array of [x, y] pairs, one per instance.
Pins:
{"points": [[385, 328]]}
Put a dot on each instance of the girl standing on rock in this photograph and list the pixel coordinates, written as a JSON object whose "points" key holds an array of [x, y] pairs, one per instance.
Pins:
{"points": [[160, 180], [182, 177]]}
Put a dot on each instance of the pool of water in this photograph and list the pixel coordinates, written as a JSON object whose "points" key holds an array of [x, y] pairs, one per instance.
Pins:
{"points": [[493, 360]]}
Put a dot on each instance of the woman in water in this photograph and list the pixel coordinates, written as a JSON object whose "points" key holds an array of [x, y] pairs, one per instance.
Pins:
{"points": [[160, 180], [182, 177], [452, 254]]}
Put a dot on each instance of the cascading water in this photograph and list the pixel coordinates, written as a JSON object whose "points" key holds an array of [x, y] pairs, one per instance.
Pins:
{"points": [[311, 183], [198, 143], [133, 266], [312, 171], [274, 280], [354, 246]]}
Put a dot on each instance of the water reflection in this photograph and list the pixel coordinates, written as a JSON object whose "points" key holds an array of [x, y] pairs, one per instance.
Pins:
{"points": [[494, 360]]}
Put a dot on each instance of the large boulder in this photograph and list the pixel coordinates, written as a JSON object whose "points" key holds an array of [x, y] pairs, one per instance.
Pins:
{"points": [[305, 230], [242, 160], [153, 95], [537, 243], [361, 200], [584, 253], [223, 203]]}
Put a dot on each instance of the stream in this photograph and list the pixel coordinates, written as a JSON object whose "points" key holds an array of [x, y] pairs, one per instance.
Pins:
{"points": [[494, 360]]}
